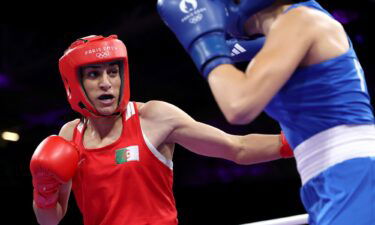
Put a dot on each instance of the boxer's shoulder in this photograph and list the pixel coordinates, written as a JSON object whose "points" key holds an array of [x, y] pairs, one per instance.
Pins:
{"points": [[158, 111], [153, 108], [67, 129]]}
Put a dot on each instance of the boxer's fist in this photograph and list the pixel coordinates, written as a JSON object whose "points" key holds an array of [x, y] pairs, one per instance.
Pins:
{"points": [[200, 27], [53, 163]]}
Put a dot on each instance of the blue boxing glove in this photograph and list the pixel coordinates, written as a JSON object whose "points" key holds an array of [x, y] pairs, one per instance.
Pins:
{"points": [[244, 49], [200, 27]]}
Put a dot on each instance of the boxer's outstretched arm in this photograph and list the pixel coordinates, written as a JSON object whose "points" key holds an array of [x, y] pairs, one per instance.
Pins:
{"points": [[207, 140]]}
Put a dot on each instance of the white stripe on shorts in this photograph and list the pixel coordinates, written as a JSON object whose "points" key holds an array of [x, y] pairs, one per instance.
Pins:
{"points": [[334, 146]]}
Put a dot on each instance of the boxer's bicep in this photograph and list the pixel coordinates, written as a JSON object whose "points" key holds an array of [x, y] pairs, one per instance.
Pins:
{"points": [[243, 96], [176, 126], [287, 43], [204, 139], [200, 138]]}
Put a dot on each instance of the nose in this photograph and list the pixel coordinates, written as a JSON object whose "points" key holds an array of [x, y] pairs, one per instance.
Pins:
{"points": [[105, 82]]}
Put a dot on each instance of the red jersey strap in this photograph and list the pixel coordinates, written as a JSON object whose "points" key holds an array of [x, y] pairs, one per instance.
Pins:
{"points": [[133, 111], [78, 134]]}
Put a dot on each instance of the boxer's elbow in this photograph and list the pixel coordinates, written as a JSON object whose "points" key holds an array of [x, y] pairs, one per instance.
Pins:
{"points": [[236, 118], [240, 158], [238, 113]]}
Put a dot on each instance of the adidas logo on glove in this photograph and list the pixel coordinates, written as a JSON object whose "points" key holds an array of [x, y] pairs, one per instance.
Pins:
{"points": [[237, 49]]}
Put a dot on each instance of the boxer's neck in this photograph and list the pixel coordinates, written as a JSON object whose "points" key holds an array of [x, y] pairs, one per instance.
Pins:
{"points": [[261, 22], [104, 126]]}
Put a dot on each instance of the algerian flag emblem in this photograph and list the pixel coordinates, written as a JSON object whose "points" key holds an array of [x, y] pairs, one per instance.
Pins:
{"points": [[130, 153]]}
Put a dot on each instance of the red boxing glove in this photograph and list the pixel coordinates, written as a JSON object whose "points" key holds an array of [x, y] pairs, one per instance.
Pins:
{"points": [[53, 163], [285, 149]]}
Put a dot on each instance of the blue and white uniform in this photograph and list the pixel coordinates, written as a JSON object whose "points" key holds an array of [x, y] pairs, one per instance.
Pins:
{"points": [[325, 112]]}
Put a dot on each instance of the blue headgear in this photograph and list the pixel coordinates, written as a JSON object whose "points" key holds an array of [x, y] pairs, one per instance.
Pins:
{"points": [[239, 13]]}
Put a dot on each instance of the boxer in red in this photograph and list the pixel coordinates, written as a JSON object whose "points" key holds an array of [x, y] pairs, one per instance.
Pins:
{"points": [[117, 159]]}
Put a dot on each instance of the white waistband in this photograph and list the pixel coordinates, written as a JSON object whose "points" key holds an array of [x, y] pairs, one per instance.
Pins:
{"points": [[333, 146]]}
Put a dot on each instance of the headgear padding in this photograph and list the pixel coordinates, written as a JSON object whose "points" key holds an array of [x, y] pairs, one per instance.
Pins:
{"points": [[93, 50]]}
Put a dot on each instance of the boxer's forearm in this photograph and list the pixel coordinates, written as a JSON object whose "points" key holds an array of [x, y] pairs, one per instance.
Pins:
{"points": [[257, 148], [48, 216], [235, 95]]}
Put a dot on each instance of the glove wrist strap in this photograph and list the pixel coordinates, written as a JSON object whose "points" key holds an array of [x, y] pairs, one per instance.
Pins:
{"points": [[206, 51], [285, 149]]}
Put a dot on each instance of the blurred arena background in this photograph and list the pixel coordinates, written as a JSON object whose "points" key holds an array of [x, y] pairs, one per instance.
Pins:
{"points": [[208, 191]]}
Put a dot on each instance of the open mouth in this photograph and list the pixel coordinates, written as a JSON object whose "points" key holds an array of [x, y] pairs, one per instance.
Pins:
{"points": [[106, 99]]}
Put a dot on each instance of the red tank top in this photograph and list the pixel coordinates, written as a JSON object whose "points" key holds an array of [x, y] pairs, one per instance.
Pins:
{"points": [[128, 182]]}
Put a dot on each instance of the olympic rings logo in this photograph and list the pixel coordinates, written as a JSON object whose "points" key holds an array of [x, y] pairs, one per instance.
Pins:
{"points": [[195, 19], [102, 54]]}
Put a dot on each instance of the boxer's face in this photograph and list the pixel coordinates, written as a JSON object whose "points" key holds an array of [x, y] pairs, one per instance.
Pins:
{"points": [[252, 25], [101, 83]]}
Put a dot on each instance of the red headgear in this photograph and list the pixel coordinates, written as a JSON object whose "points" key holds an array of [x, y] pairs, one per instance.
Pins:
{"points": [[92, 50]]}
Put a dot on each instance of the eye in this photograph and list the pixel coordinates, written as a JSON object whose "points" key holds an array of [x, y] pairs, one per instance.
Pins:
{"points": [[92, 74], [113, 71]]}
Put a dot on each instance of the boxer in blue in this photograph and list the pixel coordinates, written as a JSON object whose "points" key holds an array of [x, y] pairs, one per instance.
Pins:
{"points": [[305, 75]]}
